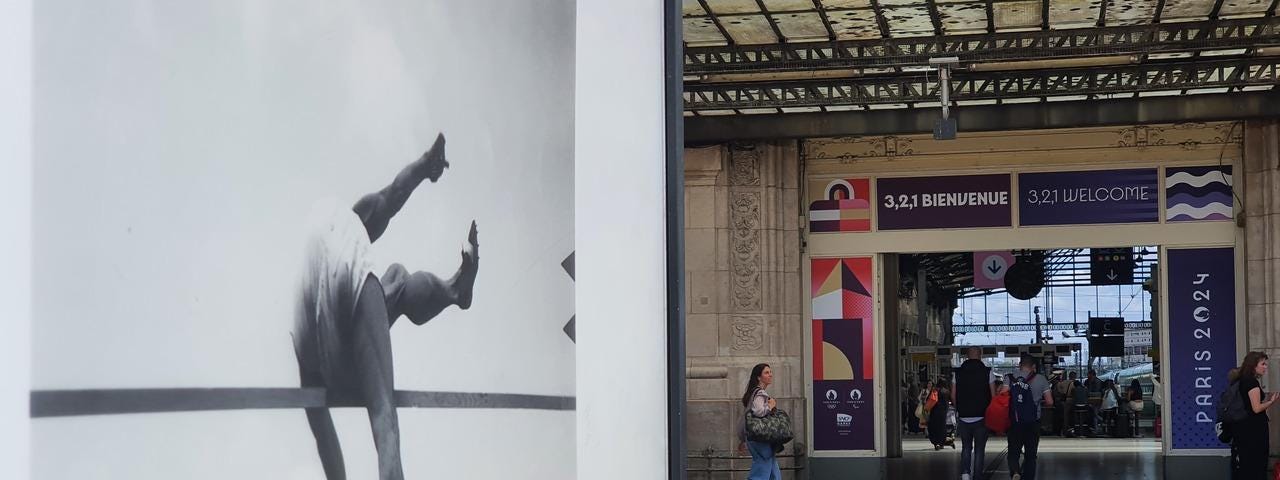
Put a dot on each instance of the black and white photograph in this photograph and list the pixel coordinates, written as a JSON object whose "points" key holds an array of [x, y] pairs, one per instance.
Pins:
{"points": [[278, 241]]}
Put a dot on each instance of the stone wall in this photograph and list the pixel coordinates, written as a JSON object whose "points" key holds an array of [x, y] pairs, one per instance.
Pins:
{"points": [[744, 294], [1262, 246]]}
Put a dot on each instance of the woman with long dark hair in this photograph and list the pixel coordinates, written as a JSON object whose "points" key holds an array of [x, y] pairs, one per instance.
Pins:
{"points": [[1250, 439], [1133, 395], [1110, 410], [764, 462], [938, 416]]}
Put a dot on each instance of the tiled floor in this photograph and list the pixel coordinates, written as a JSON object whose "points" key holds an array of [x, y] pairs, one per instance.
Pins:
{"points": [[1060, 458]]}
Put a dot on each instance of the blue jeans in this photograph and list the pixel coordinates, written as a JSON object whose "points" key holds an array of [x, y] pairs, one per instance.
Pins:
{"points": [[764, 466], [973, 438]]}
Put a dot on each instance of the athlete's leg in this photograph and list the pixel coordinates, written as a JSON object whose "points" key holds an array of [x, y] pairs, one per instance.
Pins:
{"points": [[327, 444], [422, 295], [376, 209], [371, 359]]}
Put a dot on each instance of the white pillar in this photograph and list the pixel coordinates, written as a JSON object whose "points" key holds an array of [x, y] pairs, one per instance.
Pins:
{"points": [[620, 241], [15, 242]]}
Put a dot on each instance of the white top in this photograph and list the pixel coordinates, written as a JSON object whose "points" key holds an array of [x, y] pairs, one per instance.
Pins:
{"points": [[1109, 400], [760, 403]]}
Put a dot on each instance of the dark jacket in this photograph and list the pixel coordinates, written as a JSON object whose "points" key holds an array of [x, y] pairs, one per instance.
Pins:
{"points": [[973, 385]]}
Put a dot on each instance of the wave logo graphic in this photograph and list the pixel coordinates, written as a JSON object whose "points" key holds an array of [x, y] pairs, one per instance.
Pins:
{"points": [[1198, 194], [844, 420]]}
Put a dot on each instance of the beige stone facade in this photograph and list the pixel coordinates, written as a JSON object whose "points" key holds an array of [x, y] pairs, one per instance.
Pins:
{"points": [[1262, 246], [743, 270]]}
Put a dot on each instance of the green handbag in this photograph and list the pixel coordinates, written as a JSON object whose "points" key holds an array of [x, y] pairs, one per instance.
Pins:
{"points": [[774, 428]]}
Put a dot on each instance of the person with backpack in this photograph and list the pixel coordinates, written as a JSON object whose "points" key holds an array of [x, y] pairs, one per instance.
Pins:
{"points": [[1230, 410], [1250, 435], [1026, 397], [939, 403], [973, 391]]}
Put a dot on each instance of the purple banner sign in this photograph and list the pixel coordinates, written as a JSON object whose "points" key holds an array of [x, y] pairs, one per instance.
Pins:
{"points": [[1105, 196], [843, 418], [967, 201], [1202, 340]]}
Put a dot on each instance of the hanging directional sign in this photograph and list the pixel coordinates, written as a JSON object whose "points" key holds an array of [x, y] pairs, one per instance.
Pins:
{"points": [[989, 268], [1111, 266]]}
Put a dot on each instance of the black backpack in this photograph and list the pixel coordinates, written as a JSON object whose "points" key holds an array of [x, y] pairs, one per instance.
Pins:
{"points": [[1231, 405]]}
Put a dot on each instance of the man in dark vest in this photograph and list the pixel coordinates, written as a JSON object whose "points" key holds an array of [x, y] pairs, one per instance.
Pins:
{"points": [[973, 389]]}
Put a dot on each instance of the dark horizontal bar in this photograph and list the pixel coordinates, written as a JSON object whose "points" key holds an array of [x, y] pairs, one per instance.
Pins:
{"points": [[61, 403], [704, 130], [986, 47]]}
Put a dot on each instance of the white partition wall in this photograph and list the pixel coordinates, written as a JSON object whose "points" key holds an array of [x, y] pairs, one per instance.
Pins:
{"points": [[621, 259], [15, 238]]}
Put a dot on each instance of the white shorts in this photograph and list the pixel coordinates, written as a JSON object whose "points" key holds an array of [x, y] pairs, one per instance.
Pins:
{"points": [[335, 267]]}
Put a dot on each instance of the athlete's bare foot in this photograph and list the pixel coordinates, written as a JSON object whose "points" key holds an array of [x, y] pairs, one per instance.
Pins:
{"points": [[465, 281], [434, 159]]}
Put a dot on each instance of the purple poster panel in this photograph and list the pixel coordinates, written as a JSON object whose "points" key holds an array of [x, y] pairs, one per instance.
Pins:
{"points": [[1202, 339], [842, 415], [1075, 198], [842, 387], [966, 201]]}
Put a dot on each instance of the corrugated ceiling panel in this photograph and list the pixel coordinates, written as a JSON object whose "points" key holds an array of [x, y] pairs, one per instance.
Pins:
{"points": [[909, 21], [967, 17], [1017, 14], [1244, 7], [701, 31], [846, 3], [1186, 9], [749, 29], [692, 7], [799, 27], [854, 24], [720, 7], [1065, 14], [788, 5], [1131, 12]]}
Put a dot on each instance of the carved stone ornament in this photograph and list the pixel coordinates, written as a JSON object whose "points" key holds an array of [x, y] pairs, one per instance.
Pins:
{"points": [[744, 166], [745, 249], [748, 333]]}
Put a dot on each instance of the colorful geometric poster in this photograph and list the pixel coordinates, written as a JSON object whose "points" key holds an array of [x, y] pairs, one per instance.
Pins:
{"points": [[1198, 193], [841, 288], [844, 205], [1202, 342], [843, 354]]}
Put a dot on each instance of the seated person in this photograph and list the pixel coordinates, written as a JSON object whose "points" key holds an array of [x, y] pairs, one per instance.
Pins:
{"points": [[1080, 401]]}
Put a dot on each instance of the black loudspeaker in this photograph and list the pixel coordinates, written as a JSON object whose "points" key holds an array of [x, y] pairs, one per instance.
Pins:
{"points": [[1025, 278]]}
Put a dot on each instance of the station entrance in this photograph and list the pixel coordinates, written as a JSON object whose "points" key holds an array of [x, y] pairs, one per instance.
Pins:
{"points": [[1085, 316], [1125, 266]]}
